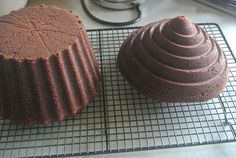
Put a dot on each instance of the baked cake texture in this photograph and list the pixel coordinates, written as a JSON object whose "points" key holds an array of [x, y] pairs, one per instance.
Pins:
{"points": [[47, 67], [173, 60]]}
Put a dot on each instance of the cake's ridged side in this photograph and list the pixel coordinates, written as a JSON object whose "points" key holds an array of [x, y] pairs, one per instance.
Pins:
{"points": [[55, 87], [84, 68], [25, 90], [14, 88], [43, 91], [90, 56], [4, 97], [66, 76]]}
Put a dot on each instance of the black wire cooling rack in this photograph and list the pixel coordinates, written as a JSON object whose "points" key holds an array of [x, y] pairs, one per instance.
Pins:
{"points": [[120, 119]]}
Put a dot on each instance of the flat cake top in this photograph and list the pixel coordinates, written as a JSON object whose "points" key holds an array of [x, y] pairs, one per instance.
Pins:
{"points": [[37, 32]]}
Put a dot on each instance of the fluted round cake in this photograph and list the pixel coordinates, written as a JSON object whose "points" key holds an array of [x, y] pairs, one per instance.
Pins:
{"points": [[173, 60], [47, 67]]}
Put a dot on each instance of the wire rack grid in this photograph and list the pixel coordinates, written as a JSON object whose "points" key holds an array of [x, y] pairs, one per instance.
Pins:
{"points": [[120, 119]]}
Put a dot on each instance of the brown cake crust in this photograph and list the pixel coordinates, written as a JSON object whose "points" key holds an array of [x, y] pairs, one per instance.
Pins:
{"points": [[48, 69], [37, 31], [173, 60]]}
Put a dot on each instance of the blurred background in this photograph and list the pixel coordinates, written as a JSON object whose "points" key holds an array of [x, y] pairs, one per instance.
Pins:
{"points": [[200, 11]]}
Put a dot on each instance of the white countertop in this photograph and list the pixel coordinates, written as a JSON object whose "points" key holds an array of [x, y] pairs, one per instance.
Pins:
{"points": [[226, 150], [154, 10]]}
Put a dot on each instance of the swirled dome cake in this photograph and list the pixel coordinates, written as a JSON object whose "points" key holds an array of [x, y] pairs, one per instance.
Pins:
{"points": [[173, 60], [47, 67]]}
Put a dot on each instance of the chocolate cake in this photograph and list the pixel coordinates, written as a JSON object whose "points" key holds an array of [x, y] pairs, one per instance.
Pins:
{"points": [[47, 67], [173, 60]]}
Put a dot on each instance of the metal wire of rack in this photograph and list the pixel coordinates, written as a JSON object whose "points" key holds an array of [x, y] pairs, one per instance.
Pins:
{"points": [[120, 119]]}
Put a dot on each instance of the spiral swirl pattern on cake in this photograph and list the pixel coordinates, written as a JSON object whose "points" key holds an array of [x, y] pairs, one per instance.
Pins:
{"points": [[173, 60]]}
